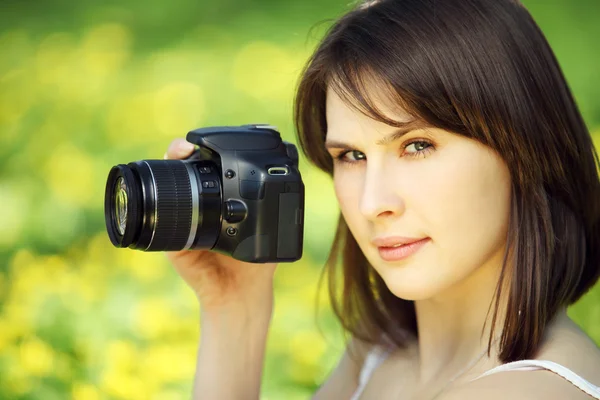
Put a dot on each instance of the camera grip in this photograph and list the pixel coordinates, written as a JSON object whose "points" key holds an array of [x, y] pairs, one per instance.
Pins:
{"points": [[289, 230]]}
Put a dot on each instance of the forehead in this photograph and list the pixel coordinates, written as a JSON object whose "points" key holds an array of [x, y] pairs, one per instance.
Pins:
{"points": [[343, 116]]}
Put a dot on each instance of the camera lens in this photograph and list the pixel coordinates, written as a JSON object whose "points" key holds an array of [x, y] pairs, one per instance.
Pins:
{"points": [[163, 205], [121, 205]]}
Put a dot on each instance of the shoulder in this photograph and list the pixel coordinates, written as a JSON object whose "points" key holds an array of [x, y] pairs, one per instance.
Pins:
{"points": [[566, 345], [519, 385]]}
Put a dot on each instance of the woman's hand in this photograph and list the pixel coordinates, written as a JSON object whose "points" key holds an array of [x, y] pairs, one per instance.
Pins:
{"points": [[220, 281]]}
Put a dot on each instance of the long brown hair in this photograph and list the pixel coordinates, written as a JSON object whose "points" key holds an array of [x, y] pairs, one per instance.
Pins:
{"points": [[482, 69]]}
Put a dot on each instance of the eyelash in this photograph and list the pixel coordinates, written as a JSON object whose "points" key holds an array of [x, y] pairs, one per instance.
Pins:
{"points": [[422, 153]]}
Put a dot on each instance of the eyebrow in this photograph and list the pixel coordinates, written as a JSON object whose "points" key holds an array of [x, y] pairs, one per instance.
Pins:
{"points": [[389, 138]]}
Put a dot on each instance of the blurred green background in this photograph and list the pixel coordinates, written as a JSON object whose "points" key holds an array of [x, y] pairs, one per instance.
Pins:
{"points": [[87, 85]]}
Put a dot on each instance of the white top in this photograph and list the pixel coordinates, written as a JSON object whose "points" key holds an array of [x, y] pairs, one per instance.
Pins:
{"points": [[378, 354]]}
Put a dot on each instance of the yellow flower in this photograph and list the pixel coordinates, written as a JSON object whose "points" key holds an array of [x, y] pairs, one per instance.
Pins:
{"points": [[121, 356], [169, 363], [153, 317], [307, 349], [36, 357], [121, 377], [125, 386], [84, 391]]}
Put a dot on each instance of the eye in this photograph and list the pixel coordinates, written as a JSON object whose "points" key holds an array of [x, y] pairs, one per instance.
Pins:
{"points": [[422, 148], [351, 156], [418, 148]]}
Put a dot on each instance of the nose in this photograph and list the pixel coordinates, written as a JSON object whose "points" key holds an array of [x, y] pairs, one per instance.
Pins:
{"points": [[380, 198]]}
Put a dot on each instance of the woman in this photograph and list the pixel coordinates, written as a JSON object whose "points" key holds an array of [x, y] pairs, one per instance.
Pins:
{"points": [[470, 201]]}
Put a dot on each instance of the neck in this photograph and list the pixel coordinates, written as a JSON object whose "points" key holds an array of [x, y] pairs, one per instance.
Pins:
{"points": [[450, 325]]}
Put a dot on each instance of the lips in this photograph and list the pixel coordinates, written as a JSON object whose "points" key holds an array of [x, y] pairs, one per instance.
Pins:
{"points": [[395, 241], [400, 251]]}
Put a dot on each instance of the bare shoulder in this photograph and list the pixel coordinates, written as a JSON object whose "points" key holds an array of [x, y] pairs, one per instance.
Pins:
{"points": [[519, 385], [566, 345], [569, 346]]}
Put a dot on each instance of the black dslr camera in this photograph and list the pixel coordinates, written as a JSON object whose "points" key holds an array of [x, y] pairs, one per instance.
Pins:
{"points": [[240, 193]]}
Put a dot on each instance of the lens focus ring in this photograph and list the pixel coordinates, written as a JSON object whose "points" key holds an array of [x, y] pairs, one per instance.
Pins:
{"points": [[173, 207]]}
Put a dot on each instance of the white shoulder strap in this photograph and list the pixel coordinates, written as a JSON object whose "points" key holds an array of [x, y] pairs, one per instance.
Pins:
{"points": [[530, 365], [373, 359]]}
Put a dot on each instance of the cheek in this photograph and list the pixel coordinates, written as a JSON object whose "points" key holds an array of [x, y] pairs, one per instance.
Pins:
{"points": [[471, 210], [347, 191]]}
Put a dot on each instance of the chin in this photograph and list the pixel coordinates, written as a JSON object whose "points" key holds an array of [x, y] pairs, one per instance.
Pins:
{"points": [[412, 293], [410, 285]]}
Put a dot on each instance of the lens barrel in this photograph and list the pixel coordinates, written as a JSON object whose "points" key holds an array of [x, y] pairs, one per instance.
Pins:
{"points": [[163, 205]]}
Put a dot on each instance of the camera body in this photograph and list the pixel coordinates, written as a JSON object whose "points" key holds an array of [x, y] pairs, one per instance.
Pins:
{"points": [[239, 193], [262, 192]]}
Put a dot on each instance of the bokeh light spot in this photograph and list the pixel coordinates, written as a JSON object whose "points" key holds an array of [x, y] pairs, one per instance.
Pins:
{"points": [[178, 108], [105, 48], [70, 175], [84, 391], [36, 357], [264, 70], [152, 317], [53, 58], [129, 120], [12, 214]]}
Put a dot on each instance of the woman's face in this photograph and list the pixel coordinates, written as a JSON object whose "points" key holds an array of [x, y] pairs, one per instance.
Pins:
{"points": [[429, 183]]}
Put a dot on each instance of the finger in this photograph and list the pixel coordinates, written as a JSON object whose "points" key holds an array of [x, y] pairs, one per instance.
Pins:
{"points": [[178, 149]]}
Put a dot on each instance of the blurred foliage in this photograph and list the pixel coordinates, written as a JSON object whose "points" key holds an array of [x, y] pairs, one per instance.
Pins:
{"points": [[87, 85]]}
